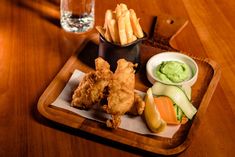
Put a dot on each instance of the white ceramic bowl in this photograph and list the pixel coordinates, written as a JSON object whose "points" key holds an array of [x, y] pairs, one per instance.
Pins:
{"points": [[157, 59]]}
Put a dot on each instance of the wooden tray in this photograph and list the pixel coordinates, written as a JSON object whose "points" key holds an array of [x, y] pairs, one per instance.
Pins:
{"points": [[202, 91]]}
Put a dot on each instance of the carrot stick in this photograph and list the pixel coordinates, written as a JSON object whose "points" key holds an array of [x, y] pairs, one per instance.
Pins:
{"points": [[166, 109], [184, 120]]}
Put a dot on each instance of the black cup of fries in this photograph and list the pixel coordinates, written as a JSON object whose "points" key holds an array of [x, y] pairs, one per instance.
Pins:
{"points": [[121, 35], [113, 52]]}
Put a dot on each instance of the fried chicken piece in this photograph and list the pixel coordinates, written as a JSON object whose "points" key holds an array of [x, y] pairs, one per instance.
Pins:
{"points": [[117, 89], [92, 88], [121, 92], [138, 105]]}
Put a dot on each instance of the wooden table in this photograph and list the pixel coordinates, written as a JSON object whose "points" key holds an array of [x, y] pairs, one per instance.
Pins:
{"points": [[33, 48]]}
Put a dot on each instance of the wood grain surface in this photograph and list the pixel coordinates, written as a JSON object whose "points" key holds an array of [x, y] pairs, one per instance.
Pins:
{"points": [[203, 89], [33, 48]]}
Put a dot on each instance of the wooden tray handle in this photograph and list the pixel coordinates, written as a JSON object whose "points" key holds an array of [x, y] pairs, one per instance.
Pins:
{"points": [[163, 30]]}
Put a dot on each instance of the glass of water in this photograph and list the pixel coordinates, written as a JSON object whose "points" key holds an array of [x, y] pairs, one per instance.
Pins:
{"points": [[77, 15]]}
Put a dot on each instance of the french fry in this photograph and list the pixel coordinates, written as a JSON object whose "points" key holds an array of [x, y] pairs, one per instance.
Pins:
{"points": [[122, 30], [118, 11], [135, 24], [104, 33], [123, 7], [128, 28], [100, 30], [108, 16], [107, 35], [134, 38], [113, 29], [121, 26]]}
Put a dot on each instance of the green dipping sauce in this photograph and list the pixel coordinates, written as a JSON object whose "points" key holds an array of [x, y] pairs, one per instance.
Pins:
{"points": [[173, 72]]}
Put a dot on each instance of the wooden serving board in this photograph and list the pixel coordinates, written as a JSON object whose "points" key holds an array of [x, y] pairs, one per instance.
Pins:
{"points": [[83, 59]]}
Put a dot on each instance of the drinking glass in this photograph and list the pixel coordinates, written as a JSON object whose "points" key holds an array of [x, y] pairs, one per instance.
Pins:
{"points": [[77, 15]]}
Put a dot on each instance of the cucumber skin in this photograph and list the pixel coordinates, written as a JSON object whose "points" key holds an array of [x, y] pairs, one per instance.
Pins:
{"points": [[178, 97], [187, 90], [179, 113]]}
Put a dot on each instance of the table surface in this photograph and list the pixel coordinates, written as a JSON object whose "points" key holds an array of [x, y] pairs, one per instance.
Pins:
{"points": [[33, 48]]}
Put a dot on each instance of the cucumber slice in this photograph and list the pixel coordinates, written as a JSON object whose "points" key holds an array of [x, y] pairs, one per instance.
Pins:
{"points": [[179, 114], [177, 95], [176, 108], [187, 90]]}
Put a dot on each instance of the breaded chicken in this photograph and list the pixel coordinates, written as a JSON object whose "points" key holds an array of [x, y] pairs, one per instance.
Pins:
{"points": [[138, 105], [92, 88], [116, 89], [121, 92]]}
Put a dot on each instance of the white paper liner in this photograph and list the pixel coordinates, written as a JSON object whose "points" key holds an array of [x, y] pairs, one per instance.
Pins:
{"points": [[131, 123]]}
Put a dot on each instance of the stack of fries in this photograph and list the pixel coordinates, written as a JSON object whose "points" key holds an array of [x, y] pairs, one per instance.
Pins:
{"points": [[121, 26]]}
